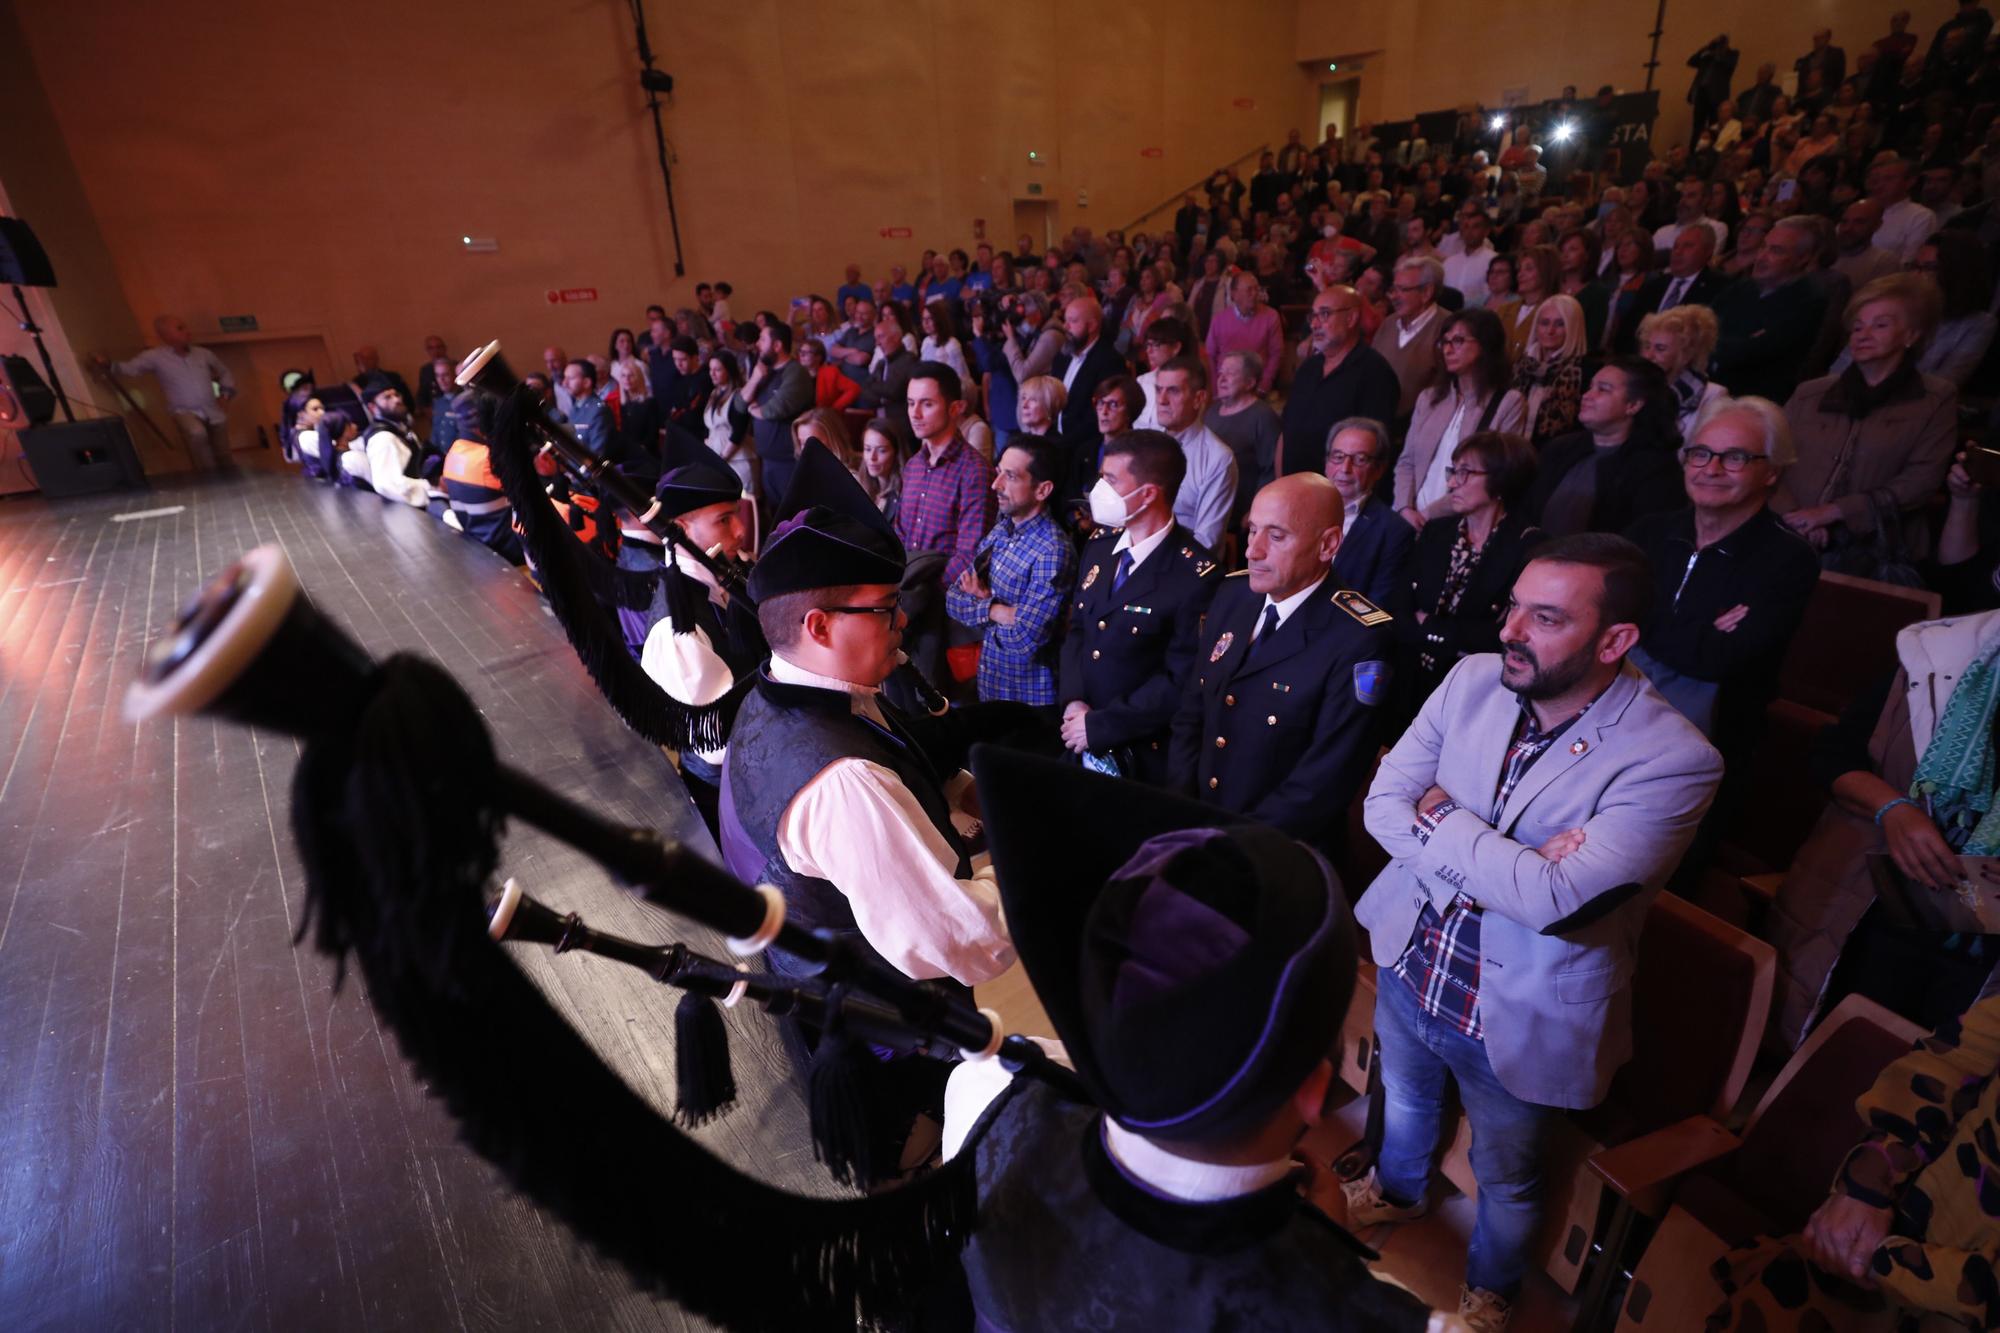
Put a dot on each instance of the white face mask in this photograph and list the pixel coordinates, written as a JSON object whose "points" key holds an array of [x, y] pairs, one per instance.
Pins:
{"points": [[1108, 508]]}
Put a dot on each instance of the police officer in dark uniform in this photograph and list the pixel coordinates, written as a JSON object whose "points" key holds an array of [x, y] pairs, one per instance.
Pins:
{"points": [[1142, 586], [1280, 723]]}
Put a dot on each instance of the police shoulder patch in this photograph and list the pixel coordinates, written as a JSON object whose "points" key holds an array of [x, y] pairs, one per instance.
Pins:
{"points": [[1371, 682], [1361, 608]]}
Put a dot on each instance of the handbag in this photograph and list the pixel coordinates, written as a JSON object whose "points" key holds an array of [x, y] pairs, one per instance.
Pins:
{"points": [[1884, 557]]}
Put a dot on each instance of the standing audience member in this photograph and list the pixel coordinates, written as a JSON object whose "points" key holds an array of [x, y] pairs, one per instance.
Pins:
{"points": [[1246, 324], [624, 351], [1730, 580], [882, 468], [1468, 395], [1955, 262], [947, 499], [1408, 339], [196, 385], [1768, 324], [1040, 407], [1906, 224], [1087, 361], [1165, 338], [1208, 492], [1309, 654], [1688, 281], [777, 391], [1144, 585], [887, 386], [726, 422], [1343, 377], [1247, 424], [1465, 563], [941, 340], [1020, 579], [1506, 846], [1679, 341], [1550, 373], [1875, 441], [1375, 541], [832, 390], [1466, 268], [1620, 464]]}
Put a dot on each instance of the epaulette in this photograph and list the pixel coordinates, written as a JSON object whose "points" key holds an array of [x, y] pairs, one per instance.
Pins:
{"points": [[1097, 532], [1361, 608], [1203, 566]]}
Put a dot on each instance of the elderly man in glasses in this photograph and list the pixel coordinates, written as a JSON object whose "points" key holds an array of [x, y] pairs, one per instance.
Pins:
{"points": [[1730, 583], [1340, 377], [1374, 558]]}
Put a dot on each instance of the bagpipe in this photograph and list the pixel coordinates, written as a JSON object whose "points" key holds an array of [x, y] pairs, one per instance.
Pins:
{"points": [[520, 418], [398, 804]]}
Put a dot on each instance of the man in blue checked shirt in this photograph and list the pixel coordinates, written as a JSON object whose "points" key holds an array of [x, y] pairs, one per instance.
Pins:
{"points": [[1020, 575]]}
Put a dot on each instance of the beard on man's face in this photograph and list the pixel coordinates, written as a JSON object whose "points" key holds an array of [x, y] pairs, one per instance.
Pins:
{"points": [[1523, 673]]}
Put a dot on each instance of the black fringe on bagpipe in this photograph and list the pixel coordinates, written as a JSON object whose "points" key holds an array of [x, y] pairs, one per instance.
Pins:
{"points": [[397, 821], [580, 585]]}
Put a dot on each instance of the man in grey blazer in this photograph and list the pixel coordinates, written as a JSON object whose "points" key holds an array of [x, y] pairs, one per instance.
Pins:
{"points": [[1536, 805]]}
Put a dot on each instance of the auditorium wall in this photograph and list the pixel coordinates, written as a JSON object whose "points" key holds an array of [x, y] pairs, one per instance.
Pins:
{"points": [[1427, 55], [317, 166]]}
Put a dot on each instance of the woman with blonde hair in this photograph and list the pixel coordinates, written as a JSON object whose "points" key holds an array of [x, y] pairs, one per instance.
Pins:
{"points": [[1874, 441], [1550, 373], [1041, 404], [1680, 341], [826, 426]]}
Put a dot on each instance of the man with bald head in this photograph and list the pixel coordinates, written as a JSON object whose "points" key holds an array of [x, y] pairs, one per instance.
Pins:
{"points": [[1688, 281], [1856, 253], [555, 361], [196, 385], [1086, 361], [1279, 722], [1770, 321]]}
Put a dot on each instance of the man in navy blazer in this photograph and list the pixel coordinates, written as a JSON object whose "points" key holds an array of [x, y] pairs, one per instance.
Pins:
{"points": [[1534, 809], [1086, 361], [1375, 541]]}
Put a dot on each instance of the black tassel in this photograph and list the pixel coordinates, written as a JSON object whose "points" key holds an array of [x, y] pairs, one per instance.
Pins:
{"points": [[837, 1101], [397, 822], [704, 1084]]}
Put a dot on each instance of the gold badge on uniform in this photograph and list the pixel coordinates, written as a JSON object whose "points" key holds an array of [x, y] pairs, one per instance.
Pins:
{"points": [[1222, 645], [1091, 577]]}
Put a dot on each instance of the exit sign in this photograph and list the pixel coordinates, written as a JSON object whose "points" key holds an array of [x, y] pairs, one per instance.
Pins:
{"points": [[1034, 187]]}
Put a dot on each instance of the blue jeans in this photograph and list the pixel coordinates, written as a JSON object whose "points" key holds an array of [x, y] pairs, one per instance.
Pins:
{"points": [[1419, 1052]]}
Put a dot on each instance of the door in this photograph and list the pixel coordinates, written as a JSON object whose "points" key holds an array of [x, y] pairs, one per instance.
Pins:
{"points": [[256, 361], [1034, 218]]}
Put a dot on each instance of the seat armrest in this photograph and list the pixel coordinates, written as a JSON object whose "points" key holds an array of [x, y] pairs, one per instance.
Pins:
{"points": [[1645, 1170], [1762, 888]]}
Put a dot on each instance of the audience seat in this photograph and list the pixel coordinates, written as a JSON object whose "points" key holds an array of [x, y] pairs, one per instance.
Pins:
{"points": [[1769, 830], [1847, 640], [1711, 1190]]}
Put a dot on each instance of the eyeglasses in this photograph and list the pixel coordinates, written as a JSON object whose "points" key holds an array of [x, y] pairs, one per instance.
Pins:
{"points": [[1411, 287], [1335, 458], [1457, 340], [1733, 460], [1321, 314], [889, 610], [1453, 472]]}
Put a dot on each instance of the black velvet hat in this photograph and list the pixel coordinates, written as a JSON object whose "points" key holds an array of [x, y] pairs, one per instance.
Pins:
{"points": [[695, 477], [375, 383], [1196, 965], [829, 534]]}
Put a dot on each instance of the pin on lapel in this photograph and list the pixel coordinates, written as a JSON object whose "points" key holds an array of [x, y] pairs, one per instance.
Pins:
{"points": [[1579, 747]]}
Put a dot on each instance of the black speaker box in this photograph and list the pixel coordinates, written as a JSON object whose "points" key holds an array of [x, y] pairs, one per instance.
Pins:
{"points": [[83, 457], [23, 262], [38, 404]]}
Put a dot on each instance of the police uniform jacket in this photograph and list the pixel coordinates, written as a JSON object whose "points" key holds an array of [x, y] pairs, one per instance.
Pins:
{"points": [[1128, 651], [1283, 730]]}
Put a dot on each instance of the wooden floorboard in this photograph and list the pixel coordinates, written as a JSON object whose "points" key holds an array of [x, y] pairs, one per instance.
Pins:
{"points": [[196, 1132]]}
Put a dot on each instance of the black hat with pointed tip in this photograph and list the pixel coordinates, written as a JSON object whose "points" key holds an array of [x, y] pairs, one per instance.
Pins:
{"points": [[695, 478], [829, 534], [1196, 965]]}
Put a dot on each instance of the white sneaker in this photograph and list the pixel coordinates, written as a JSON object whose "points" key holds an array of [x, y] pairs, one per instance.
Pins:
{"points": [[1367, 1208], [1483, 1311]]}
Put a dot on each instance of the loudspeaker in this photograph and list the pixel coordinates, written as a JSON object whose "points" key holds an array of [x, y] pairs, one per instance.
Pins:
{"points": [[23, 262], [83, 457], [24, 399]]}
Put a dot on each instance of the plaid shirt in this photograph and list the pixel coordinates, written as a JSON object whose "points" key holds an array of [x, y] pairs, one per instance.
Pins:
{"points": [[1030, 567], [1442, 963], [947, 505]]}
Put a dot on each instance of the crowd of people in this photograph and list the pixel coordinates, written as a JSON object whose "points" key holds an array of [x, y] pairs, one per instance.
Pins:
{"points": [[1494, 456]]}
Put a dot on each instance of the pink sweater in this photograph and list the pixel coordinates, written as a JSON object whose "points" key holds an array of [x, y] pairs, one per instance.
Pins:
{"points": [[1230, 332]]}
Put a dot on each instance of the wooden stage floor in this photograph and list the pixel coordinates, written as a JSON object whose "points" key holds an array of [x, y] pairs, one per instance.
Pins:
{"points": [[195, 1131]]}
